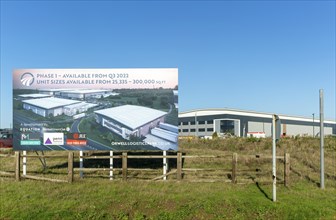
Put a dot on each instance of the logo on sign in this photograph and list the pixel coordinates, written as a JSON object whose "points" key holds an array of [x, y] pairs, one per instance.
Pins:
{"points": [[76, 139], [25, 136], [30, 139], [53, 138], [27, 79]]}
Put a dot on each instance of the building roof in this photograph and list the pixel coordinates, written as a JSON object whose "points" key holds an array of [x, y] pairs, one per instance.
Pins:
{"points": [[53, 90], [49, 103], [132, 116], [35, 95], [160, 143], [80, 105], [86, 91], [206, 112]]}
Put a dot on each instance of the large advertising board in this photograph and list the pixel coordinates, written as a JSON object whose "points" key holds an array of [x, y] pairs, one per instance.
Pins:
{"points": [[95, 109]]}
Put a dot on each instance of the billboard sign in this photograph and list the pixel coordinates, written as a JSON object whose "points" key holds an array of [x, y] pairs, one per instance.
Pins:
{"points": [[95, 109]]}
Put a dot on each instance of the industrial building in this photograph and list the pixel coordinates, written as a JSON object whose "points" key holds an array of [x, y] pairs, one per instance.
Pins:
{"points": [[52, 92], [32, 96], [241, 123], [142, 122], [84, 94], [80, 94], [56, 106], [130, 120]]}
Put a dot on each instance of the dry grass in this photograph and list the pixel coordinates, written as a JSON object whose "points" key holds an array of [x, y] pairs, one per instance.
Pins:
{"points": [[304, 158]]}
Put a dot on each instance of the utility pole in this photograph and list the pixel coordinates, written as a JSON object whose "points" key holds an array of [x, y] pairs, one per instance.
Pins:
{"points": [[321, 139]]}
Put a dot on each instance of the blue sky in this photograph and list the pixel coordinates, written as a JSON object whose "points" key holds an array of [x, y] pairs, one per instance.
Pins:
{"points": [[251, 55]]}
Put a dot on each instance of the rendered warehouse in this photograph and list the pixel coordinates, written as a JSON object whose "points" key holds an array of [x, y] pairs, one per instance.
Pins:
{"points": [[53, 92], [130, 120], [32, 96], [205, 122], [55, 106], [83, 94]]}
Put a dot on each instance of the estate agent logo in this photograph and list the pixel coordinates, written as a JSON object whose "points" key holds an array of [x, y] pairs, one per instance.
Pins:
{"points": [[53, 139], [27, 79], [30, 139], [76, 139]]}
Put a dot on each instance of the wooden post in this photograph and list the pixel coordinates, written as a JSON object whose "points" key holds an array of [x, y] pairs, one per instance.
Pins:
{"points": [[124, 165], [179, 166], [70, 167], [234, 168], [287, 169], [17, 165]]}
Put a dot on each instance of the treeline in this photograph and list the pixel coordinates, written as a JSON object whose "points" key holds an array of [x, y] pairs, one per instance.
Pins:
{"points": [[154, 98], [149, 101]]}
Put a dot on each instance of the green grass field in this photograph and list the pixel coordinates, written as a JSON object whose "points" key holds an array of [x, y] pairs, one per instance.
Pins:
{"points": [[96, 197], [102, 199]]}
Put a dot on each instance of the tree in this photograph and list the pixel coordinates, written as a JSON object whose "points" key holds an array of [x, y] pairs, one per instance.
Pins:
{"points": [[51, 117], [164, 101], [92, 127], [145, 100], [19, 106]]}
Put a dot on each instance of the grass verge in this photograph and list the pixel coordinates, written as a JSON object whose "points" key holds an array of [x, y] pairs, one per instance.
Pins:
{"points": [[99, 199]]}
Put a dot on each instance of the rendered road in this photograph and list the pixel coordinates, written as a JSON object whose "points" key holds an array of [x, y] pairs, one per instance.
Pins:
{"points": [[91, 144]]}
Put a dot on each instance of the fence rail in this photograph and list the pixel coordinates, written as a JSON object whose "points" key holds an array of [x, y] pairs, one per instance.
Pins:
{"points": [[179, 172]]}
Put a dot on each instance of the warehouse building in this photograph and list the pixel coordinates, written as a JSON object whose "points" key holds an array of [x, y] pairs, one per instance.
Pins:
{"points": [[130, 120], [32, 96], [142, 122], [52, 92], [84, 94], [241, 123], [55, 106]]}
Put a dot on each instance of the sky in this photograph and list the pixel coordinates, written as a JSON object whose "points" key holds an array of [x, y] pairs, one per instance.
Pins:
{"points": [[265, 56]]}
